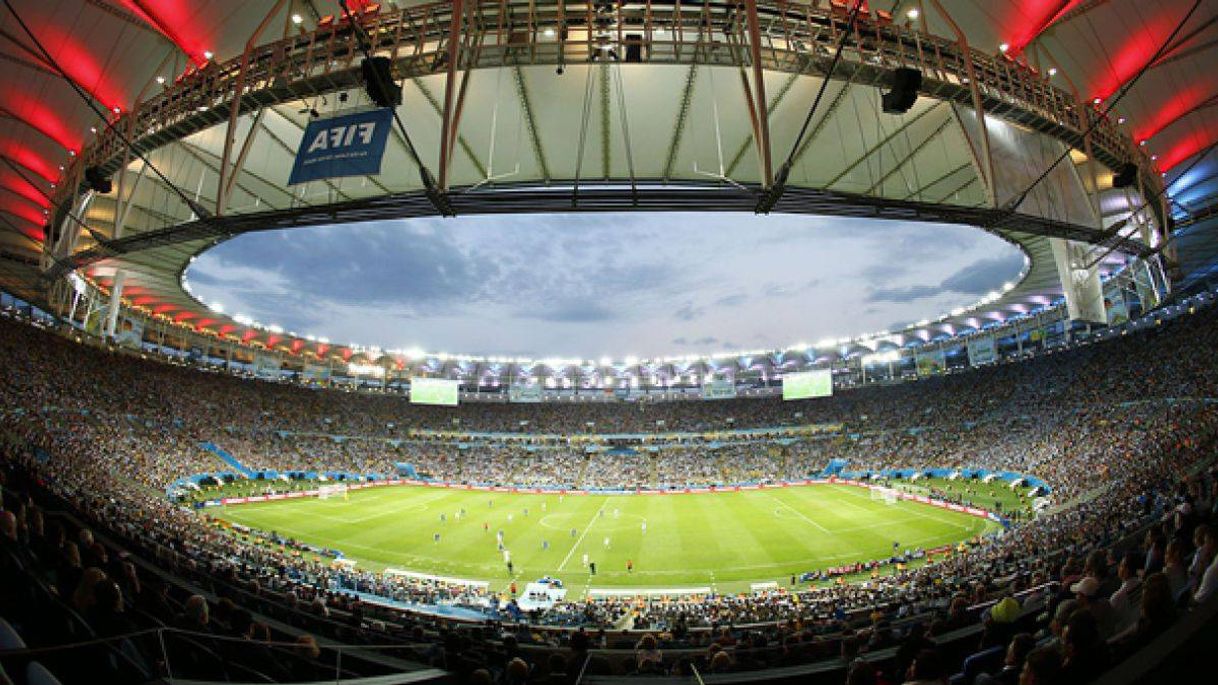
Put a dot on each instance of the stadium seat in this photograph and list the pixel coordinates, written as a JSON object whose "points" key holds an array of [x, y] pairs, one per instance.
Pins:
{"points": [[9, 639], [986, 661], [37, 674]]}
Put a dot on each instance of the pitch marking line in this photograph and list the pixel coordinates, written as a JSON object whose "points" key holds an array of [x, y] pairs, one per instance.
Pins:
{"points": [[916, 512], [584, 535], [798, 513]]}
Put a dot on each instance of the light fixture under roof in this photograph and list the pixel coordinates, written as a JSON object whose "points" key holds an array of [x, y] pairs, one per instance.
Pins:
{"points": [[912, 13], [1003, 47], [297, 19]]}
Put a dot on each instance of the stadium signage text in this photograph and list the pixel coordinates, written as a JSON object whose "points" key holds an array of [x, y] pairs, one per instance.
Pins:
{"points": [[348, 145]]}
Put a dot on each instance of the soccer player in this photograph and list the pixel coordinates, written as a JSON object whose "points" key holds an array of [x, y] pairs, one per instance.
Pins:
{"points": [[526, 512], [606, 542], [616, 513], [443, 518], [585, 561], [436, 538], [644, 527], [510, 568], [592, 568], [573, 532], [486, 527], [629, 566], [509, 518], [545, 545]]}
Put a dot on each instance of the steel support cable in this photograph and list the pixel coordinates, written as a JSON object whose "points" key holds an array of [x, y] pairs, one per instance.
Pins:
{"points": [[437, 197], [21, 173], [194, 206], [625, 123], [1017, 200], [1120, 225], [585, 116], [772, 194]]}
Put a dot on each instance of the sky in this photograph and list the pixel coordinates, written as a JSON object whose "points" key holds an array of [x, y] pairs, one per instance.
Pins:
{"points": [[592, 285]]}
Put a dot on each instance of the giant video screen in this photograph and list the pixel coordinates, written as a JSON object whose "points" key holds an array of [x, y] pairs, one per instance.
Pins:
{"points": [[434, 391], [805, 384]]}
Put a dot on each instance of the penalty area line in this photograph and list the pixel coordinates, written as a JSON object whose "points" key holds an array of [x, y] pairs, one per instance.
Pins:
{"points": [[799, 513], [584, 535]]}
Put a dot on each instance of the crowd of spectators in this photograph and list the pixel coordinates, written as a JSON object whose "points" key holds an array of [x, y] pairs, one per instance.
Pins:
{"points": [[1122, 430]]}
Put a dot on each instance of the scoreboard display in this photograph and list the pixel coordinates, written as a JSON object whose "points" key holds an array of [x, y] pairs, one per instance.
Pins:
{"points": [[434, 391], [805, 384]]}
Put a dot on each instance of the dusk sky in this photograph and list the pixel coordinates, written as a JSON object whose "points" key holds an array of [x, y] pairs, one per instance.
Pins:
{"points": [[602, 284]]}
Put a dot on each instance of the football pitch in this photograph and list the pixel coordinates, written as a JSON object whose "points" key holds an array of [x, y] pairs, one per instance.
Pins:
{"points": [[722, 540]]}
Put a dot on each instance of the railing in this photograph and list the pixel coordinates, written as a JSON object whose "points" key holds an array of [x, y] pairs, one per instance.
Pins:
{"points": [[176, 654], [796, 37]]}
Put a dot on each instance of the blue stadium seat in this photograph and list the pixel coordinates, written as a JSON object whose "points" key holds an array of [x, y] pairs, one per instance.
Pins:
{"points": [[9, 639], [37, 674]]}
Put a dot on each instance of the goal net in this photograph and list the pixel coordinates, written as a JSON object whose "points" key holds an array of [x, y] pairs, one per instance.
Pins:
{"points": [[328, 491], [885, 495]]}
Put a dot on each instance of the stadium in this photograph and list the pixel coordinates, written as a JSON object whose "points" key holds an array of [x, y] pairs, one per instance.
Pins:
{"points": [[572, 438]]}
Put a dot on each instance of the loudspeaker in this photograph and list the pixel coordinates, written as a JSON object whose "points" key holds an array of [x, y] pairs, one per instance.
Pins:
{"points": [[905, 83], [634, 48], [96, 180], [1126, 176], [378, 81]]}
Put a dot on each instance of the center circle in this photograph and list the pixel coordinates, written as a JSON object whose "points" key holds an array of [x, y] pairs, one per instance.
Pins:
{"points": [[590, 285]]}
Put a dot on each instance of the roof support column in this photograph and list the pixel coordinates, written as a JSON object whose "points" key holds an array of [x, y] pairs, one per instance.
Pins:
{"points": [[448, 118], [986, 167], [223, 187], [758, 105]]}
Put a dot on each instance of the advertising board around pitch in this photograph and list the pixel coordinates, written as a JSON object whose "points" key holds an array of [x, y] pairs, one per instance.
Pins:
{"points": [[435, 391], [805, 384]]}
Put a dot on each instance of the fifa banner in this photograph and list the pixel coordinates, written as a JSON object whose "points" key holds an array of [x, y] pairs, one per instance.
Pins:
{"points": [[267, 366], [435, 391], [805, 384], [1118, 310], [347, 145], [982, 351], [130, 333], [719, 389], [931, 363], [527, 394]]}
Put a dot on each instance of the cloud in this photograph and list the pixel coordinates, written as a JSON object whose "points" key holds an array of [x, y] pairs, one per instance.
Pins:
{"points": [[592, 284], [978, 278], [688, 312], [732, 300], [907, 294], [574, 312], [984, 275]]}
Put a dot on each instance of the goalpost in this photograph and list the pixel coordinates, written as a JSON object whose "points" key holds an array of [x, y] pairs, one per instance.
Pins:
{"points": [[885, 495], [328, 491]]}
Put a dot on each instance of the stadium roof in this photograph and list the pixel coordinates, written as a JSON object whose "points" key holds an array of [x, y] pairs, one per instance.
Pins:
{"points": [[528, 137]]}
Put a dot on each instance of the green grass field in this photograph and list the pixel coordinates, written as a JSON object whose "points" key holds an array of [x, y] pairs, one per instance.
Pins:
{"points": [[721, 540]]}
